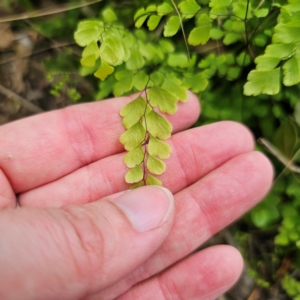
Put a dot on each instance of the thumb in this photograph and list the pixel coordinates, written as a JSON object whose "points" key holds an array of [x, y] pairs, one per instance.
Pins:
{"points": [[78, 250]]}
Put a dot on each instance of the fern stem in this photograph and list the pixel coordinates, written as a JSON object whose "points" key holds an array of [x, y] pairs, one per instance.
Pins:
{"points": [[182, 29]]}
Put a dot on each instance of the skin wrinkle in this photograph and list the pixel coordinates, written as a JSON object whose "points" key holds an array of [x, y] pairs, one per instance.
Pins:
{"points": [[85, 150], [195, 198], [111, 184], [168, 289], [50, 237], [81, 221], [84, 249], [109, 249], [68, 250], [181, 168], [90, 185], [105, 174]]}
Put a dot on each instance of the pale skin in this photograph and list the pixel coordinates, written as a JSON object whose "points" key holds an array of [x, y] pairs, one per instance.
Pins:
{"points": [[70, 237]]}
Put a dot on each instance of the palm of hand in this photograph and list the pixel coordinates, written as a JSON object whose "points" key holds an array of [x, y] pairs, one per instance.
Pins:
{"points": [[74, 157]]}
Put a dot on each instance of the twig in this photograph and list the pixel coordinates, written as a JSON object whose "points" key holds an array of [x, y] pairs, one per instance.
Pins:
{"points": [[40, 51], [182, 29], [46, 11], [20, 100], [288, 164]]}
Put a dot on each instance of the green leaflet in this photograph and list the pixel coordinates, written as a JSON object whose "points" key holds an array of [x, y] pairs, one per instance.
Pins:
{"points": [[231, 38], [216, 33], [286, 34], [159, 148], [241, 9], [89, 55], [158, 126], [243, 59], [280, 50], [155, 165], [153, 22], [124, 84], [157, 78], [263, 82], [133, 112], [216, 3], [163, 99], [134, 157], [133, 137], [151, 8], [265, 63], [135, 61], [172, 26], [188, 8], [175, 87], [134, 175], [88, 32], [291, 71], [167, 46], [104, 70], [180, 60], [140, 17], [164, 9], [200, 34], [137, 185], [261, 13], [196, 83], [112, 50], [153, 181], [219, 7], [108, 15], [140, 80]]}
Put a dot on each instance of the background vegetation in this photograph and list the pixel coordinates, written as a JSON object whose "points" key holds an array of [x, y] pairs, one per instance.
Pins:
{"points": [[40, 70]]}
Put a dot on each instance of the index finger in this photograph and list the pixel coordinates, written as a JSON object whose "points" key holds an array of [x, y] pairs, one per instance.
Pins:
{"points": [[43, 148]]}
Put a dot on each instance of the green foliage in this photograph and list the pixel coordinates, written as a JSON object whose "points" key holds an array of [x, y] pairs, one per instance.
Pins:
{"points": [[292, 287], [266, 213], [283, 53], [289, 231]]}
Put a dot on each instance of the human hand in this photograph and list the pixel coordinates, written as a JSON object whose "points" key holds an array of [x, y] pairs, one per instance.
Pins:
{"points": [[64, 243]]}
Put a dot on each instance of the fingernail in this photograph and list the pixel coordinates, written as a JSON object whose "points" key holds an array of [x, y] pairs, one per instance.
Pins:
{"points": [[146, 207]]}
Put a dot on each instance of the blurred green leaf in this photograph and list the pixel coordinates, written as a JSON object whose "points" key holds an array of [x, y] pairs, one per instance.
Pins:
{"points": [[134, 175], [263, 82], [172, 26]]}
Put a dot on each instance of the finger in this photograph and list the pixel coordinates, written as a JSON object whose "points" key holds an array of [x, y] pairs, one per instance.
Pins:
{"points": [[7, 195], [78, 250], [62, 141], [203, 209], [205, 275], [195, 153]]}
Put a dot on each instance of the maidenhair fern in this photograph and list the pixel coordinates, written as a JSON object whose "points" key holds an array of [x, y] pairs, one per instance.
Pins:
{"points": [[282, 53], [109, 48], [128, 61]]}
